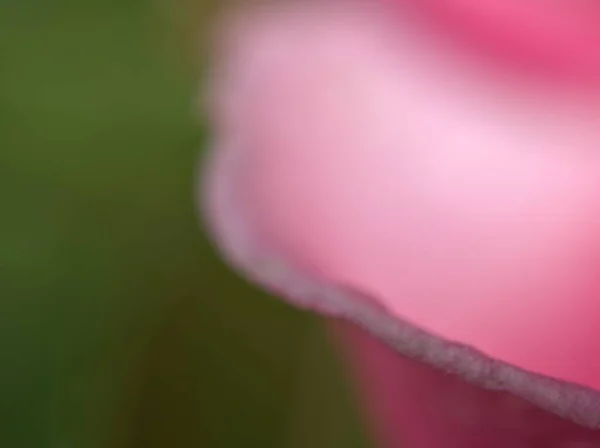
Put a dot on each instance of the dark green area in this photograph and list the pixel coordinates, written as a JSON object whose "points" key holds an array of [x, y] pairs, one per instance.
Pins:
{"points": [[119, 327]]}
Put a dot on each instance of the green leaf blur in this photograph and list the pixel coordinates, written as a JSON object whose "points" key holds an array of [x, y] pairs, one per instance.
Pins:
{"points": [[119, 326]]}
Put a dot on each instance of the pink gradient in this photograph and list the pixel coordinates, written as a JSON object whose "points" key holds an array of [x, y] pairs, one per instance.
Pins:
{"points": [[555, 37], [354, 148]]}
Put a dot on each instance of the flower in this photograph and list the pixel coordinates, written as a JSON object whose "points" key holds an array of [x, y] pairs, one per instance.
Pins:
{"points": [[370, 164]]}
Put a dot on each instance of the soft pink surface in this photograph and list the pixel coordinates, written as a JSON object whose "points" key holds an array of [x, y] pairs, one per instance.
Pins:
{"points": [[467, 202]]}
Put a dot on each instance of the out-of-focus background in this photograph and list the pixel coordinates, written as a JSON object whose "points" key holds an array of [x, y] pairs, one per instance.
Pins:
{"points": [[119, 325]]}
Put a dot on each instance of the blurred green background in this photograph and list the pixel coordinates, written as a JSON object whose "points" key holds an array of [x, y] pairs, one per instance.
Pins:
{"points": [[119, 325]]}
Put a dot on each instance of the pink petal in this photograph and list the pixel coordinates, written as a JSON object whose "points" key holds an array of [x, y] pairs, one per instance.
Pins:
{"points": [[555, 37], [357, 155]]}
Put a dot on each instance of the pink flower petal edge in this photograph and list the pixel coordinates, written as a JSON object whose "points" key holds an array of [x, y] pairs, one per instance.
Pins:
{"points": [[412, 404], [317, 112]]}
